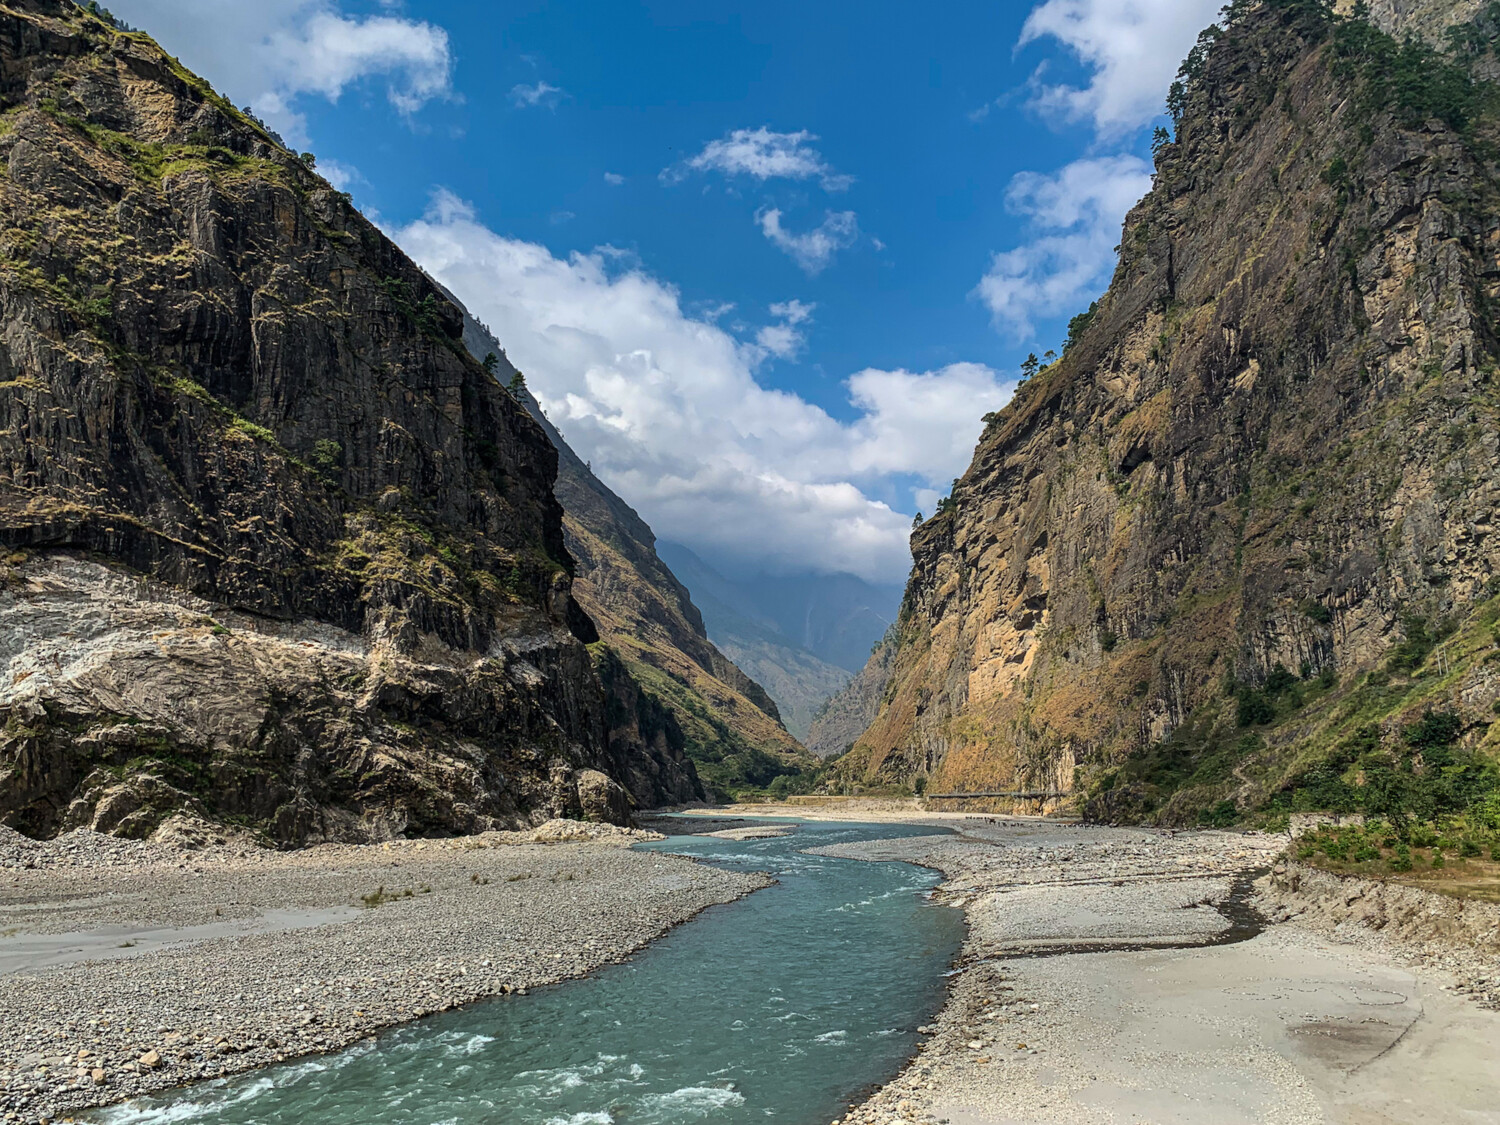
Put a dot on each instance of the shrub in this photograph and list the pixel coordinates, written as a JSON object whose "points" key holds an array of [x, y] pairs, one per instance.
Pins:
{"points": [[1253, 708], [1401, 861], [1222, 815], [1433, 729], [1317, 611]]}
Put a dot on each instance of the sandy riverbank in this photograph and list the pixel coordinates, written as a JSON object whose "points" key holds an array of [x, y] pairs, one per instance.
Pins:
{"points": [[127, 967], [1104, 981]]}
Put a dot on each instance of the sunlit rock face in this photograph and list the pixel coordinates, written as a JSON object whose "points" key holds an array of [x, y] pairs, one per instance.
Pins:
{"points": [[1274, 445]]}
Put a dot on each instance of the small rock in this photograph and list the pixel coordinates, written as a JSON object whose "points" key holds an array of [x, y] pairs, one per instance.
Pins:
{"points": [[151, 1058]]}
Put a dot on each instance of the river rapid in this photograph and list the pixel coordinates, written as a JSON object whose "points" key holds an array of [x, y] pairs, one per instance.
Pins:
{"points": [[781, 1007]]}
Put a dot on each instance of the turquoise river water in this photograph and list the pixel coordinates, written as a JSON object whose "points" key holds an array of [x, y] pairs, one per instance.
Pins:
{"points": [[781, 1007]]}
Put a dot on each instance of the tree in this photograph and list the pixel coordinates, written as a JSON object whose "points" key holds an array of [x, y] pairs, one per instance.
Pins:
{"points": [[517, 385], [1160, 138], [308, 160], [491, 361], [1029, 366], [916, 521]]}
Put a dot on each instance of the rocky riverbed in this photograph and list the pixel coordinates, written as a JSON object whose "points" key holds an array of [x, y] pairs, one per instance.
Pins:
{"points": [[131, 967]]}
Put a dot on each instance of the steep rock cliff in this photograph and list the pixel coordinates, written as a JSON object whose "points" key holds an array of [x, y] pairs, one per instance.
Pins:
{"points": [[731, 728], [1238, 519], [285, 555]]}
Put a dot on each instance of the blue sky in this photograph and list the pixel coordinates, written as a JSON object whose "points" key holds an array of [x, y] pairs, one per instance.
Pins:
{"points": [[766, 265]]}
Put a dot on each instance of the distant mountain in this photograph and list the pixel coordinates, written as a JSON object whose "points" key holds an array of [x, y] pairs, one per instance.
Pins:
{"points": [[801, 637], [732, 728], [837, 725]]}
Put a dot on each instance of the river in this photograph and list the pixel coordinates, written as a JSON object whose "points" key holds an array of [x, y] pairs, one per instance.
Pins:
{"points": [[781, 1007]]}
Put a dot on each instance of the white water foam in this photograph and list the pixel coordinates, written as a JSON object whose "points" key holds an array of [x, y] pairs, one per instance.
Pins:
{"points": [[700, 1100], [836, 1037]]}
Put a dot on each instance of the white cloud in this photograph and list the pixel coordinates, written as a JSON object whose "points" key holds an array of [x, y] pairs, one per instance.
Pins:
{"points": [[785, 340], [1133, 47], [781, 340], [539, 94], [814, 250], [614, 179], [340, 175], [765, 156], [793, 311], [666, 406], [270, 53], [1075, 216], [911, 420]]}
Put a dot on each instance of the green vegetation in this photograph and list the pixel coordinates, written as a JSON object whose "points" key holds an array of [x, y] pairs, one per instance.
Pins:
{"points": [[423, 312], [1391, 745], [1413, 78], [153, 162], [1459, 856]]}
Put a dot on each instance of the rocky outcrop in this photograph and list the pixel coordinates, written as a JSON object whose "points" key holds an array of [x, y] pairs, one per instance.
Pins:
{"points": [[730, 727], [1267, 463], [285, 555]]}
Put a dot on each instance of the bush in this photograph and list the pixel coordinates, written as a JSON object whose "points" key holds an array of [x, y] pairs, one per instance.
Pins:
{"points": [[1253, 708], [1402, 859], [1433, 729], [1223, 815], [1317, 611]]}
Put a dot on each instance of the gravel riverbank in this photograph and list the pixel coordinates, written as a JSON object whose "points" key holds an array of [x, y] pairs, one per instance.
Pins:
{"points": [[136, 967], [1116, 975]]}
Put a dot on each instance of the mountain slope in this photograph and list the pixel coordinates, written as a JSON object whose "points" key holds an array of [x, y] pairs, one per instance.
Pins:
{"points": [[845, 715], [1221, 542], [794, 677], [286, 556], [732, 728]]}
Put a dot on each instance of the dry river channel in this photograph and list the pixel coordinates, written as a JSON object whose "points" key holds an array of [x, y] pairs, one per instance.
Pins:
{"points": [[904, 968]]}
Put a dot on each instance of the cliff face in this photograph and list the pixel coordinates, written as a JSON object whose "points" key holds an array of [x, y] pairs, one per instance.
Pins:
{"points": [[1252, 506], [284, 553], [730, 727]]}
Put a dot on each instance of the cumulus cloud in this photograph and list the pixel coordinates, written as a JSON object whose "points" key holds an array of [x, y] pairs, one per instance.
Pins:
{"points": [[270, 53], [614, 179], [812, 250], [666, 406], [542, 94], [1075, 217], [1133, 48], [764, 155]]}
